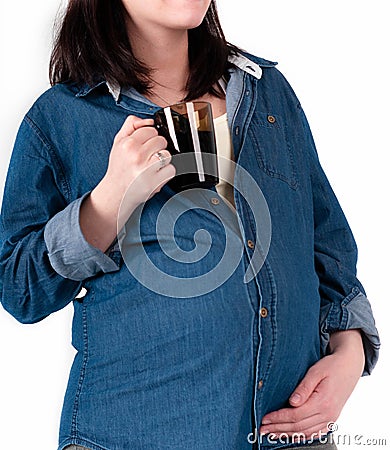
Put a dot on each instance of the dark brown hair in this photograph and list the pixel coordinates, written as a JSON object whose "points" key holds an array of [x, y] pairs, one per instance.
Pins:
{"points": [[92, 44]]}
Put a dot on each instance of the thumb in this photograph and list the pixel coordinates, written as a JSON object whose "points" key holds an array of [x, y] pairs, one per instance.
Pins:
{"points": [[306, 387]]}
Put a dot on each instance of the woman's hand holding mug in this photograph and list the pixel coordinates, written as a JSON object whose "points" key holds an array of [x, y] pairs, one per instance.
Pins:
{"points": [[139, 166]]}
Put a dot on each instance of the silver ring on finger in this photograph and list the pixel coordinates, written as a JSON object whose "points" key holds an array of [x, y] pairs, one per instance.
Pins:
{"points": [[163, 159]]}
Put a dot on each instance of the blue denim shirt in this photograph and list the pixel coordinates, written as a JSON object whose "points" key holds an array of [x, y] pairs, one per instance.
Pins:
{"points": [[173, 372]]}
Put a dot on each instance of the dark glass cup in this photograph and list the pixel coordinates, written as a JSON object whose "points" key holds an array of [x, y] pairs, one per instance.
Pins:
{"points": [[189, 130]]}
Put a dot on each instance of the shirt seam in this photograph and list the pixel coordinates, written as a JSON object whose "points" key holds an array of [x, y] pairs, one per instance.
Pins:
{"points": [[57, 163], [83, 369]]}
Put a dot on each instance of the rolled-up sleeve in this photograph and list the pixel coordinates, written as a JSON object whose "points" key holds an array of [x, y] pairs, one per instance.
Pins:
{"points": [[354, 312], [344, 304], [69, 253]]}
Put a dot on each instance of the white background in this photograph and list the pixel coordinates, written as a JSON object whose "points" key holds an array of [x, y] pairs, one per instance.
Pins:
{"points": [[335, 55]]}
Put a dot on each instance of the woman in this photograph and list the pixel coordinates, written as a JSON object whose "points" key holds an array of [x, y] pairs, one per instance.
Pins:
{"points": [[247, 363]]}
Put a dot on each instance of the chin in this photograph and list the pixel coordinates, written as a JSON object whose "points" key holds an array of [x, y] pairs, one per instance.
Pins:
{"points": [[189, 17], [189, 24]]}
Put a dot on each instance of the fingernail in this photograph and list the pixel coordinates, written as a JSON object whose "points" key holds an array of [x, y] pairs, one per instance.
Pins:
{"points": [[295, 398], [266, 422]]}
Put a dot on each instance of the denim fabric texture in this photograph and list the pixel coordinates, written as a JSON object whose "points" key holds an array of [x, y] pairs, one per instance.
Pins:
{"points": [[153, 371], [76, 447]]}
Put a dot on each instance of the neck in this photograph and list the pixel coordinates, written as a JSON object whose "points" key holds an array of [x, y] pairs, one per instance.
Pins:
{"points": [[166, 53]]}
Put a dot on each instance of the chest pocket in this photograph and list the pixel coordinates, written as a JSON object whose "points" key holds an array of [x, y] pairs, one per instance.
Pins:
{"points": [[273, 151]]}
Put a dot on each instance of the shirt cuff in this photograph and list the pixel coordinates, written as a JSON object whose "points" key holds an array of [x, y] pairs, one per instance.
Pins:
{"points": [[70, 254], [354, 312]]}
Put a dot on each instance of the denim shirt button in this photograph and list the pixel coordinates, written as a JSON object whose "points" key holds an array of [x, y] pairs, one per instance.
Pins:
{"points": [[215, 201], [260, 384], [251, 244], [271, 119], [263, 312]]}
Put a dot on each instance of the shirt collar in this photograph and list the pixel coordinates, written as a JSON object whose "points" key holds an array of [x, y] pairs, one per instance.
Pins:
{"points": [[252, 66], [246, 64]]}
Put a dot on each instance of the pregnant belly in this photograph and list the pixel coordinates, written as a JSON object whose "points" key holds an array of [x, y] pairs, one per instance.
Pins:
{"points": [[172, 365]]}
